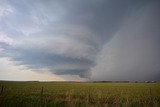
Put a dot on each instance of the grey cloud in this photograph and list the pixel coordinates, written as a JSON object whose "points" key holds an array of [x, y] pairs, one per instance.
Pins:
{"points": [[67, 36], [37, 59], [133, 53], [83, 73], [102, 17]]}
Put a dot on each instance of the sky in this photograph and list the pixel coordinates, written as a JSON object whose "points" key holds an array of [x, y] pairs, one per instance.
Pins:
{"points": [[80, 40]]}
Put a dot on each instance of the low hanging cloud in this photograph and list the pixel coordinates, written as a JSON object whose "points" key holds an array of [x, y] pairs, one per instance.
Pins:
{"points": [[69, 37]]}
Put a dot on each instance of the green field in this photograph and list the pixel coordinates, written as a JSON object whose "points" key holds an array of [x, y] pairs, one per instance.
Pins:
{"points": [[74, 94]]}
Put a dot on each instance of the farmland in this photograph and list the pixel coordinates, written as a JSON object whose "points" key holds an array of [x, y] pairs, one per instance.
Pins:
{"points": [[79, 94]]}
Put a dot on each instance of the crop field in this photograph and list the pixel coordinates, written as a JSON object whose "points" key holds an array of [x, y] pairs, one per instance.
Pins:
{"points": [[79, 94]]}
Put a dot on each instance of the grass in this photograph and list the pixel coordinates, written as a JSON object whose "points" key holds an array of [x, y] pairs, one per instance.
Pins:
{"points": [[71, 94]]}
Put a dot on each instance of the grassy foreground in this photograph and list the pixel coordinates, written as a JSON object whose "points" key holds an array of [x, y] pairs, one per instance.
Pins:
{"points": [[71, 94]]}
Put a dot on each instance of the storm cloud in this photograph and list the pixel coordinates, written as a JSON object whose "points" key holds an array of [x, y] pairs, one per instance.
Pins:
{"points": [[98, 39]]}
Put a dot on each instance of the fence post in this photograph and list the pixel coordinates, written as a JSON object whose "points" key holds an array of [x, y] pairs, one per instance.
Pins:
{"points": [[150, 97], [42, 92], [88, 95], [41, 98], [2, 88], [150, 94]]}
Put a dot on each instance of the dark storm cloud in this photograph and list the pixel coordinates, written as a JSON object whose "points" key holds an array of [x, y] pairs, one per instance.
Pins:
{"points": [[35, 59], [103, 17], [133, 53], [100, 18], [83, 73], [67, 36]]}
